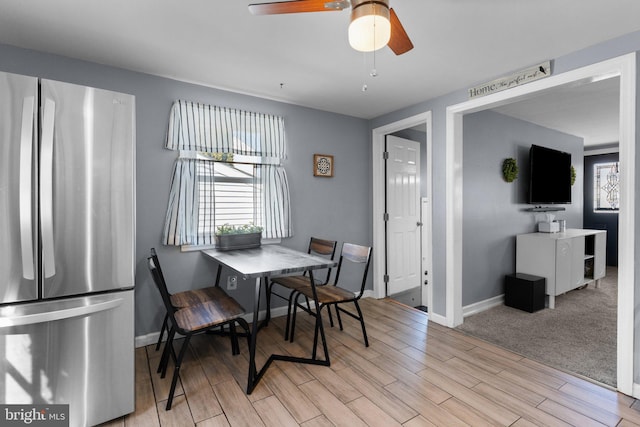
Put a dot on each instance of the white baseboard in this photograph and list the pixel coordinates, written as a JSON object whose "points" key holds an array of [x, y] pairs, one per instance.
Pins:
{"points": [[636, 390], [145, 340], [437, 318], [368, 294], [481, 306]]}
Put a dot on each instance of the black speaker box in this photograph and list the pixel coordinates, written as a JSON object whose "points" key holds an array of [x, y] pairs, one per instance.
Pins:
{"points": [[524, 292]]}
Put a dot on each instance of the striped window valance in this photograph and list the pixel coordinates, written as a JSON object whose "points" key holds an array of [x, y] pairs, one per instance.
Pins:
{"points": [[212, 129]]}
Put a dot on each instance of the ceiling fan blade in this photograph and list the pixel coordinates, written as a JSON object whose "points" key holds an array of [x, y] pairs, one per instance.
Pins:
{"points": [[399, 42], [295, 6]]}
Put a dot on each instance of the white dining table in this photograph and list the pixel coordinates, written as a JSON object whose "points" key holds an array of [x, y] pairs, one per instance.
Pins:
{"points": [[260, 264]]}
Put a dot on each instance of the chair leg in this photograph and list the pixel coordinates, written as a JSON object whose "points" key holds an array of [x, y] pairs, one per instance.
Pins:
{"points": [[176, 372], [339, 318], [361, 318], [330, 316], [244, 325], [268, 296], [164, 327], [289, 304], [235, 347], [166, 353], [293, 317]]}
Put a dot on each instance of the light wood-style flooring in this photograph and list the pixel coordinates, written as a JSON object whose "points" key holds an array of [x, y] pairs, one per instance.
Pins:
{"points": [[414, 373]]}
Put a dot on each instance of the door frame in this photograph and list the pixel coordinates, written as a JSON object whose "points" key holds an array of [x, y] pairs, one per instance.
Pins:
{"points": [[623, 67], [378, 143]]}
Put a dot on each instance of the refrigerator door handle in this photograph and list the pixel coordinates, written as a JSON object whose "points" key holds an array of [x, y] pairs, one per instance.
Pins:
{"points": [[47, 314], [46, 189], [25, 201]]}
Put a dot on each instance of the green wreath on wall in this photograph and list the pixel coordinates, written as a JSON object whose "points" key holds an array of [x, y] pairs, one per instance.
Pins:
{"points": [[509, 169]]}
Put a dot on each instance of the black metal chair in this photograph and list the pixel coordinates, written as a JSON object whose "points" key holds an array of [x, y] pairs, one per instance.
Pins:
{"points": [[335, 294], [191, 320], [186, 298], [321, 247]]}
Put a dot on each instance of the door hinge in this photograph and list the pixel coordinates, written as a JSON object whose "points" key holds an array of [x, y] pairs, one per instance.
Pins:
{"points": [[385, 155], [385, 216], [386, 278]]}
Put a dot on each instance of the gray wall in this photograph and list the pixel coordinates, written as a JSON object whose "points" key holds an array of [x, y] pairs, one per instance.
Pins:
{"points": [[349, 194], [335, 208], [494, 211], [603, 51]]}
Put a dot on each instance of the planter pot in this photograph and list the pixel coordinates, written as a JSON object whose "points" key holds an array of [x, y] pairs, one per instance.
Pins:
{"points": [[227, 242]]}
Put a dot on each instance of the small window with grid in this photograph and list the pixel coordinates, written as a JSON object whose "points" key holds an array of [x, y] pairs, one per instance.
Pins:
{"points": [[606, 191], [228, 192]]}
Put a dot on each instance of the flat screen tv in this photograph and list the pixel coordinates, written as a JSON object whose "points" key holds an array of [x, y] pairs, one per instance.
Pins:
{"points": [[550, 180]]}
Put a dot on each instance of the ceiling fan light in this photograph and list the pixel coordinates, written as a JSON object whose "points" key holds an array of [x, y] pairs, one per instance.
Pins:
{"points": [[370, 28]]}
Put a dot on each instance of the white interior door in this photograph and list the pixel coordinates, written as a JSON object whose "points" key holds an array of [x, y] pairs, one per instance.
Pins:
{"points": [[404, 220]]}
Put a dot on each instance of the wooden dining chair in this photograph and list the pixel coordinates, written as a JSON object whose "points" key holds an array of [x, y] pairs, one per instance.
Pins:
{"points": [[321, 247], [191, 320], [187, 298], [214, 294], [337, 294]]}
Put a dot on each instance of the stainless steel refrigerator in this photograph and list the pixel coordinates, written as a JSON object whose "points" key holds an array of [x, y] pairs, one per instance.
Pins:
{"points": [[67, 229]]}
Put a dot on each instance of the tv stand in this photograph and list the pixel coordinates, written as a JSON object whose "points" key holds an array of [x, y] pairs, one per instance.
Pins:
{"points": [[567, 260], [545, 209]]}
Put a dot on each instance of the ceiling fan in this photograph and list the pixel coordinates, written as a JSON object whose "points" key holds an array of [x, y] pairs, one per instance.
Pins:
{"points": [[373, 23]]}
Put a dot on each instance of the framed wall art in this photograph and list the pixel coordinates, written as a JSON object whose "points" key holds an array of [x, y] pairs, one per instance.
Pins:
{"points": [[323, 165]]}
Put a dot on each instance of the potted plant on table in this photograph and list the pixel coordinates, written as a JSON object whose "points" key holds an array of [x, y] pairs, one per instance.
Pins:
{"points": [[244, 236]]}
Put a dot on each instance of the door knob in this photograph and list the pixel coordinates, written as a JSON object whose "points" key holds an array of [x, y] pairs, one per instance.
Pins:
{"points": [[419, 224]]}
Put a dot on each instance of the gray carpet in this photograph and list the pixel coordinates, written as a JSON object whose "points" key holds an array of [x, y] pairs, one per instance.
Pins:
{"points": [[578, 336]]}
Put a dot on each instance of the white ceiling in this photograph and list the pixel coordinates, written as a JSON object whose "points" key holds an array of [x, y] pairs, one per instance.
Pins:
{"points": [[305, 59], [590, 111]]}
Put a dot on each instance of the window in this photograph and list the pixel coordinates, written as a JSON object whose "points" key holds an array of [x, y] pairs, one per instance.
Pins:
{"points": [[229, 170], [228, 192], [606, 179]]}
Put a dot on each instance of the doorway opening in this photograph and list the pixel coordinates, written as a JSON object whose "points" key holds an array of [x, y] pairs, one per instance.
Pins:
{"points": [[623, 67], [422, 123]]}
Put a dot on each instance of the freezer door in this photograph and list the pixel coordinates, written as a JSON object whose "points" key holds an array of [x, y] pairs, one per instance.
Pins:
{"points": [[18, 114], [87, 199], [77, 351]]}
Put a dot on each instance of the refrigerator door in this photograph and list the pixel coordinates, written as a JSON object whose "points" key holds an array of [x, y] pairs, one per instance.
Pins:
{"points": [[18, 114], [87, 208], [75, 351]]}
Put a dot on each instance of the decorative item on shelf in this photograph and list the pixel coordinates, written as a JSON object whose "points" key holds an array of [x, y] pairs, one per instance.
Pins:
{"points": [[229, 237], [322, 165], [509, 170], [573, 175]]}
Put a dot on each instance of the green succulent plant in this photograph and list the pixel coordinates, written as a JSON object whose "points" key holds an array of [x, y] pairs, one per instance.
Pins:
{"points": [[238, 229]]}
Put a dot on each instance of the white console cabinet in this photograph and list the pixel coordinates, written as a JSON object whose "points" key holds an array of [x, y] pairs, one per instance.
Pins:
{"points": [[567, 260]]}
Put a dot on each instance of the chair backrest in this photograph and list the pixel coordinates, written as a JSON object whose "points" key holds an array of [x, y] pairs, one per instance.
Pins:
{"points": [[158, 279], [325, 248], [156, 261], [322, 247], [356, 254]]}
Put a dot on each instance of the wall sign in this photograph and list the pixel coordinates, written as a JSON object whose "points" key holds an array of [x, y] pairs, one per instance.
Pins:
{"points": [[516, 79], [322, 165]]}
